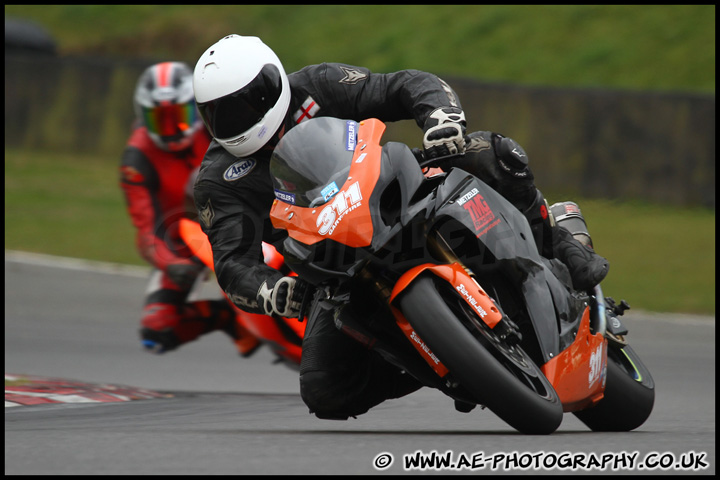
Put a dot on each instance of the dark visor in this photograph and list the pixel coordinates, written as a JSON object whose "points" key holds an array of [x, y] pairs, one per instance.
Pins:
{"points": [[233, 114]]}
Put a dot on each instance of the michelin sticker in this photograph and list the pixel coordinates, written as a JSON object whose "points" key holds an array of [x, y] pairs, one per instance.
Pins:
{"points": [[239, 169]]}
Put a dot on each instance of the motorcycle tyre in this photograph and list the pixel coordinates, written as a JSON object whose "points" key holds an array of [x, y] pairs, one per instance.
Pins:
{"points": [[627, 402], [475, 367]]}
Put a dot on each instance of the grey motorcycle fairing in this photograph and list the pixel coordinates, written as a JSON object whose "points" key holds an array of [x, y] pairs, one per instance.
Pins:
{"points": [[505, 234]]}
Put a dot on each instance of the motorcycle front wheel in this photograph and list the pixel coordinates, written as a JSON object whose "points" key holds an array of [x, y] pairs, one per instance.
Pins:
{"points": [[629, 394], [500, 375]]}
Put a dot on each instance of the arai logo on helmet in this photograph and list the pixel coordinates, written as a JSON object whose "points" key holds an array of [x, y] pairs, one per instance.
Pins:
{"points": [[239, 169]]}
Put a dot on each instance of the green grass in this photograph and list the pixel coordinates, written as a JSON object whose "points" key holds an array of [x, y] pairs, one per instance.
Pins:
{"points": [[68, 205], [662, 258], [658, 47]]}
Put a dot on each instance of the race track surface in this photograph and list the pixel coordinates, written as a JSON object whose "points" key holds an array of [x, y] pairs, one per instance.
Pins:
{"points": [[203, 410]]}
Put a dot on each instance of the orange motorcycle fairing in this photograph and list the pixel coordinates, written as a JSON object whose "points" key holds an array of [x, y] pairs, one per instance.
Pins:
{"points": [[346, 218], [274, 333], [467, 288], [193, 236], [579, 372]]}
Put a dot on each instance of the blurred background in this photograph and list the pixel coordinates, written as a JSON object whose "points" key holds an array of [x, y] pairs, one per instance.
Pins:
{"points": [[615, 105]]}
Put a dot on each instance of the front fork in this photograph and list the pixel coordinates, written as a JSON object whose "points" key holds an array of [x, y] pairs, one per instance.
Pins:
{"points": [[599, 318], [606, 322]]}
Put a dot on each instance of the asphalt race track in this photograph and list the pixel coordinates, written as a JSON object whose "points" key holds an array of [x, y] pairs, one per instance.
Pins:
{"points": [[219, 414]]}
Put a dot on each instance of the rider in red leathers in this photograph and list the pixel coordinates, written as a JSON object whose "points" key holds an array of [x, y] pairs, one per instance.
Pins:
{"points": [[168, 143]]}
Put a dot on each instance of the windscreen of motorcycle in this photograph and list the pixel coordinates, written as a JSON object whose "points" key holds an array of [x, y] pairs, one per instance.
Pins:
{"points": [[312, 161]]}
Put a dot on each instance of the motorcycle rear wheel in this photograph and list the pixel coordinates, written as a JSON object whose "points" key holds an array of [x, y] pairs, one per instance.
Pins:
{"points": [[501, 376], [629, 394]]}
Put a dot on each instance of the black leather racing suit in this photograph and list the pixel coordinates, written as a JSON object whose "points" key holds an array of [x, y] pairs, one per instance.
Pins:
{"points": [[233, 196], [338, 377]]}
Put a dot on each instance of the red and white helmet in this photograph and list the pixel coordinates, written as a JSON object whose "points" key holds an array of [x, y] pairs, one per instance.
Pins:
{"points": [[165, 105], [242, 93]]}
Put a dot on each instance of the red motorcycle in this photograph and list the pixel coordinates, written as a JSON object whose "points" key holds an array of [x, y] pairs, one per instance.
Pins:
{"points": [[441, 276], [282, 335]]}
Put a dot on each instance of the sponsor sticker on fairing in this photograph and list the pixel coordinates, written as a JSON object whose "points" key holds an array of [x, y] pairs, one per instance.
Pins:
{"points": [[351, 136], [462, 200], [285, 196], [329, 191], [482, 216]]}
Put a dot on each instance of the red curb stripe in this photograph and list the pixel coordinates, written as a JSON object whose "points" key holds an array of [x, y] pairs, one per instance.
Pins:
{"points": [[32, 390]]}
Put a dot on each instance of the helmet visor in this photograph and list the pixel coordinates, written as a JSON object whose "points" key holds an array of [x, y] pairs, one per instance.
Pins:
{"points": [[233, 114], [169, 120]]}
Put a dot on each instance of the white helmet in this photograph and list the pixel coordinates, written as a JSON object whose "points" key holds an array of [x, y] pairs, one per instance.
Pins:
{"points": [[242, 92], [165, 105]]}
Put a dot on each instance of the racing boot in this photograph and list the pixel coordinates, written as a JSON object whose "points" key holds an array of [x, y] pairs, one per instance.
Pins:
{"points": [[574, 250], [587, 268], [573, 246]]}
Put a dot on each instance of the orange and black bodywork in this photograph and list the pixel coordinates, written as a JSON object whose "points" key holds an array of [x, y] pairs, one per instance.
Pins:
{"points": [[361, 216]]}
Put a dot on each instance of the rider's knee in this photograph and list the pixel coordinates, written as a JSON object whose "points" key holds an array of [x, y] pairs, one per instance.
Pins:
{"points": [[329, 395], [160, 316]]}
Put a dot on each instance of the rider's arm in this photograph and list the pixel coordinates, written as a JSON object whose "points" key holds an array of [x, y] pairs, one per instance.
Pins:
{"points": [[347, 91], [139, 183], [234, 214]]}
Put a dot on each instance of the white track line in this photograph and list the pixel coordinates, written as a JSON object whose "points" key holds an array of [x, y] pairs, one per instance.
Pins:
{"points": [[143, 272], [75, 264]]}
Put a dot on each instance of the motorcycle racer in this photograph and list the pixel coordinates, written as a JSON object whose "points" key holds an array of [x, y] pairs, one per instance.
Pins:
{"points": [[248, 103], [168, 142]]}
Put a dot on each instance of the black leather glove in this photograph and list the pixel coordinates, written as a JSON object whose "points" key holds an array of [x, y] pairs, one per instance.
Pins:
{"points": [[444, 132], [184, 273], [284, 298]]}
